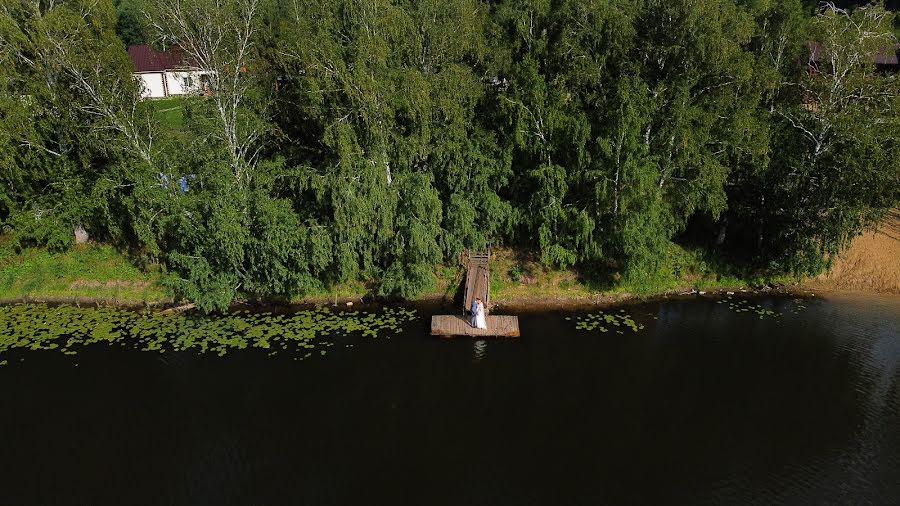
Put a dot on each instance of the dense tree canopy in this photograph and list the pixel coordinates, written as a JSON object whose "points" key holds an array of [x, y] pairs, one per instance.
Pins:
{"points": [[130, 22], [375, 139]]}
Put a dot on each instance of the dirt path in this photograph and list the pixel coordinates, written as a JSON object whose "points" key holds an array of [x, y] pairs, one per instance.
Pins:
{"points": [[872, 263]]}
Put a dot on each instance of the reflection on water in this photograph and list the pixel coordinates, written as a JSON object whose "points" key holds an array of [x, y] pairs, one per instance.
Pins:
{"points": [[704, 404], [480, 347]]}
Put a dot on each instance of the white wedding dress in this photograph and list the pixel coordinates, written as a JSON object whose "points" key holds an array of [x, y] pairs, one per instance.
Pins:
{"points": [[480, 321]]}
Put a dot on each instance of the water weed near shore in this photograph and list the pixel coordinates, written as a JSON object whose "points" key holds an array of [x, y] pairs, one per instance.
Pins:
{"points": [[761, 311], [68, 329]]}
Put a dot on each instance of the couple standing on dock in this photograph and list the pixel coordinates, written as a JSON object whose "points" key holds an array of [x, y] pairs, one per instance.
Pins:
{"points": [[477, 310]]}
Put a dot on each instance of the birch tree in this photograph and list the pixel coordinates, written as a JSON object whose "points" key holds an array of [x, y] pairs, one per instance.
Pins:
{"points": [[834, 160], [219, 37], [77, 124]]}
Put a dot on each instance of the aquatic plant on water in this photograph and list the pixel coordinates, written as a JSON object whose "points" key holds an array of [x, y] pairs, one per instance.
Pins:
{"points": [[67, 328], [606, 322], [762, 312]]}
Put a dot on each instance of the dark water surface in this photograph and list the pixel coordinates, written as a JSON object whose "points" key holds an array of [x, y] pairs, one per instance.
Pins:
{"points": [[704, 406]]}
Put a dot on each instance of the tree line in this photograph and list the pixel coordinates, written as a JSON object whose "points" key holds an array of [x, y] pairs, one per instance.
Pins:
{"points": [[376, 139]]}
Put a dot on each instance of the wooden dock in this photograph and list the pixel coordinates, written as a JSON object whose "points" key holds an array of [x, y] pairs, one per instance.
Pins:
{"points": [[478, 280], [478, 284], [458, 325]]}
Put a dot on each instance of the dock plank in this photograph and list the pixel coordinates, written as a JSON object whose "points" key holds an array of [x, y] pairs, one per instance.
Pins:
{"points": [[477, 280], [455, 325]]}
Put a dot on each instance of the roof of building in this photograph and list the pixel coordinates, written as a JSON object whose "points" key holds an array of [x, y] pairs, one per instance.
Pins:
{"points": [[147, 59], [885, 56]]}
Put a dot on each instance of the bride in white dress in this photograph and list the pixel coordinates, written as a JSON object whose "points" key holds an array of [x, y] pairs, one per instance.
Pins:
{"points": [[480, 320]]}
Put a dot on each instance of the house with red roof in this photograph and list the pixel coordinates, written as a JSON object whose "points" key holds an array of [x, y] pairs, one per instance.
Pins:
{"points": [[166, 73], [887, 59]]}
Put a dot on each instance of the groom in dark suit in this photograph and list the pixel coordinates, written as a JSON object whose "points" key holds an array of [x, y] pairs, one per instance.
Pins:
{"points": [[474, 312]]}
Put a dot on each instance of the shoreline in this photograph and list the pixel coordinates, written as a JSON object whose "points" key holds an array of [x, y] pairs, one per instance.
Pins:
{"points": [[86, 301], [521, 304], [99, 276]]}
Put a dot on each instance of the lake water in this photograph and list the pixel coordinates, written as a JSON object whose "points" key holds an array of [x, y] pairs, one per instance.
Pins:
{"points": [[790, 402]]}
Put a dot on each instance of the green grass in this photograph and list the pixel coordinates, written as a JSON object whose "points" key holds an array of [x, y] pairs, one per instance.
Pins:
{"points": [[99, 273], [335, 293], [518, 276], [169, 112], [90, 273]]}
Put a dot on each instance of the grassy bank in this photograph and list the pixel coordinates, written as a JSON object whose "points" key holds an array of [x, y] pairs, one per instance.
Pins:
{"points": [[518, 278], [88, 273], [99, 273]]}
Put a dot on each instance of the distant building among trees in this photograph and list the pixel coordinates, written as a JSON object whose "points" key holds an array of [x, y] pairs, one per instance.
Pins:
{"points": [[887, 58], [166, 73]]}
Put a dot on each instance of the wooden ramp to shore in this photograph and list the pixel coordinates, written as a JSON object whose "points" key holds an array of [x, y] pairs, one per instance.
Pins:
{"points": [[457, 325], [478, 280], [478, 284]]}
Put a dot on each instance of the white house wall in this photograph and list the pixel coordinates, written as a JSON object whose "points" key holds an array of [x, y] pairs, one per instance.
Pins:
{"points": [[175, 80], [152, 85]]}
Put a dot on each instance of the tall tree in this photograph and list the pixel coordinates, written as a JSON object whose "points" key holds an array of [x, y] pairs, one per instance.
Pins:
{"points": [[130, 21], [73, 121], [834, 159], [372, 139], [219, 38], [390, 91], [629, 115]]}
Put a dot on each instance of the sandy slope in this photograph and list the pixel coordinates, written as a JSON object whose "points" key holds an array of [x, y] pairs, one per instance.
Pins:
{"points": [[871, 264]]}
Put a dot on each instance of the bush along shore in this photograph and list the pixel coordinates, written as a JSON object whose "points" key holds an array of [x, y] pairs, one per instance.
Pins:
{"points": [[99, 275], [338, 149]]}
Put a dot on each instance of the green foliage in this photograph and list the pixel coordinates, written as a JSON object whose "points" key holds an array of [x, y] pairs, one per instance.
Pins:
{"points": [[129, 21], [347, 141], [515, 273], [834, 130], [69, 117]]}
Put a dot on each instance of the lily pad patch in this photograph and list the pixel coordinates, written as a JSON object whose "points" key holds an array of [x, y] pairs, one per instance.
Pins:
{"points": [[68, 328]]}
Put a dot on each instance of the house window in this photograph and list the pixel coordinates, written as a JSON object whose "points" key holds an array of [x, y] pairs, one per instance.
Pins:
{"points": [[188, 82]]}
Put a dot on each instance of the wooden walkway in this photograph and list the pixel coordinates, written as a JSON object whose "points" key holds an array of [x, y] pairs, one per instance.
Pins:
{"points": [[456, 325], [478, 280], [478, 284]]}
